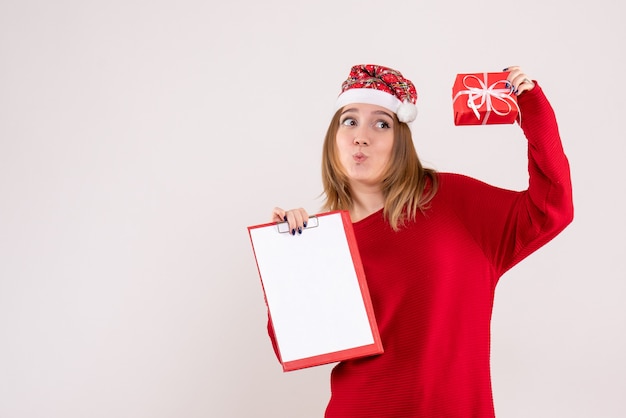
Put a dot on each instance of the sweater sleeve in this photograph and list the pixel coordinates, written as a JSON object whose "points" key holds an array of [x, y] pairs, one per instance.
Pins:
{"points": [[547, 206], [510, 225]]}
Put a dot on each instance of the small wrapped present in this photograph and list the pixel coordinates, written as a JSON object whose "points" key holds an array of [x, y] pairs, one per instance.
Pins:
{"points": [[483, 99]]}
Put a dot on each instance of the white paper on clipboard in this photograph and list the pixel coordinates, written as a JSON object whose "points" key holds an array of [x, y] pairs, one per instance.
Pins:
{"points": [[316, 292]]}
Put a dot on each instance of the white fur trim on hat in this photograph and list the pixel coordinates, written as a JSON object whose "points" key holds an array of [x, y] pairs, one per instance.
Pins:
{"points": [[406, 112]]}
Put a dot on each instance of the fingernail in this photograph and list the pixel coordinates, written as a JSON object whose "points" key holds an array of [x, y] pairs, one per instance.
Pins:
{"points": [[508, 85], [299, 230], [285, 218], [516, 92], [293, 232], [305, 224], [506, 69]]}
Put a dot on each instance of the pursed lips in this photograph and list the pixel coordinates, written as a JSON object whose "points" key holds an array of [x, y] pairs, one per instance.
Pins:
{"points": [[359, 157]]}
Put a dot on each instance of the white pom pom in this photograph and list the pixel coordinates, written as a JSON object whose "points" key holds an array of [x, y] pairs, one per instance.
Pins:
{"points": [[407, 112]]}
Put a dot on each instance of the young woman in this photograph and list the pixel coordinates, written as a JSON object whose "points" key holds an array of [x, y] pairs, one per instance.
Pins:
{"points": [[433, 246]]}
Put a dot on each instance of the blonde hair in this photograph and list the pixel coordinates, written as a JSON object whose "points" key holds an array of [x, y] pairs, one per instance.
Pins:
{"points": [[407, 186]]}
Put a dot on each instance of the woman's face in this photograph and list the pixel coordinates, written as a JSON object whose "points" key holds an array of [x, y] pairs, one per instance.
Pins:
{"points": [[364, 142]]}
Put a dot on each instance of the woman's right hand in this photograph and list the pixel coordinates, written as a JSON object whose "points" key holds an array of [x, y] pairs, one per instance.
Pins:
{"points": [[297, 218]]}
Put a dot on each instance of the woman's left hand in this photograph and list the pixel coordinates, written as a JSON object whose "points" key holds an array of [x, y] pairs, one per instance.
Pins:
{"points": [[520, 82]]}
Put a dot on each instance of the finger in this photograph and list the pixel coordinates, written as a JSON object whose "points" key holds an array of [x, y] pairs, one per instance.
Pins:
{"points": [[278, 215], [305, 218], [297, 219], [292, 219], [513, 70], [519, 81], [526, 85], [302, 218]]}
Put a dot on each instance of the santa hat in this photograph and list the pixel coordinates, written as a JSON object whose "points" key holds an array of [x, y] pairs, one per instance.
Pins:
{"points": [[382, 86]]}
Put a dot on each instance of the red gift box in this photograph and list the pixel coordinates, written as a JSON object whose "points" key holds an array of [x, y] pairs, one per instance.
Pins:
{"points": [[483, 99]]}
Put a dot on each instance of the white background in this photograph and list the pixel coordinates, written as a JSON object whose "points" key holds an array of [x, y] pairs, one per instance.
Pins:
{"points": [[139, 139]]}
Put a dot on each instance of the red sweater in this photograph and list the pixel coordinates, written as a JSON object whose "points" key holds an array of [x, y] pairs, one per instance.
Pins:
{"points": [[432, 284]]}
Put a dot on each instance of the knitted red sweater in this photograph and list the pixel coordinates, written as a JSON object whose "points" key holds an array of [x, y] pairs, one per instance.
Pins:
{"points": [[432, 284]]}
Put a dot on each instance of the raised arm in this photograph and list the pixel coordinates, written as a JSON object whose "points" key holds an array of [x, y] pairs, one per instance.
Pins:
{"points": [[509, 225], [548, 201]]}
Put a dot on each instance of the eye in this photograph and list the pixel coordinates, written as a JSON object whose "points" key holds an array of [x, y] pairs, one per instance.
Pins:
{"points": [[349, 122], [381, 124]]}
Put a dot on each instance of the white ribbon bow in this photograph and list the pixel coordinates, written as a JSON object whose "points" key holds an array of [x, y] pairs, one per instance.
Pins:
{"points": [[486, 94]]}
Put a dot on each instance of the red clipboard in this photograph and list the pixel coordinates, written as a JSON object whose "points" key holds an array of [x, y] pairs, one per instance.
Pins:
{"points": [[315, 290]]}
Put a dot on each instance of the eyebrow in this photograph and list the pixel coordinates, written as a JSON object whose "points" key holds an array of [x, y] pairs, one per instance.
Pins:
{"points": [[375, 112]]}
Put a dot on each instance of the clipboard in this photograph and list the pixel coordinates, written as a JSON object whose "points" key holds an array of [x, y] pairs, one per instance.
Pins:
{"points": [[315, 290]]}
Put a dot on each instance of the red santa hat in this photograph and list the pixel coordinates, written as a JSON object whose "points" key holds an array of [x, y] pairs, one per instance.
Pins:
{"points": [[382, 86]]}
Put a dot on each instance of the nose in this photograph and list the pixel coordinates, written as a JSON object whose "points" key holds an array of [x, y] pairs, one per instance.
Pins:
{"points": [[360, 140]]}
